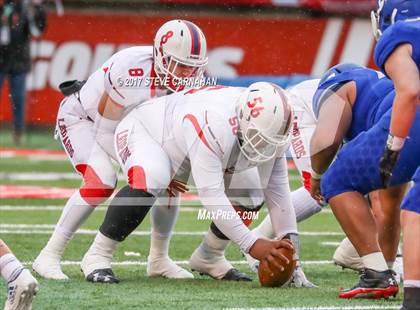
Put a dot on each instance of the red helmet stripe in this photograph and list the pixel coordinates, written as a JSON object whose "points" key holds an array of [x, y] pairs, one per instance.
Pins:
{"points": [[195, 38]]}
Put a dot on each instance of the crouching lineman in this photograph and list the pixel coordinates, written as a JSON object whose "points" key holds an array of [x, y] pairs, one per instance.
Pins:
{"points": [[355, 171], [207, 259], [88, 116], [209, 133], [21, 285]]}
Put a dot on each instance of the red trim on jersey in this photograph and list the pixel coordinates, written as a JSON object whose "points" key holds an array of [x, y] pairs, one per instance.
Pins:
{"points": [[153, 81], [137, 178], [93, 191], [105, 69], [199, 131]]}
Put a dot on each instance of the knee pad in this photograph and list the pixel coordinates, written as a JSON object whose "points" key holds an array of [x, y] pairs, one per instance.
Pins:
{"points": [[125, 213], [93, 191], [246, 214]]}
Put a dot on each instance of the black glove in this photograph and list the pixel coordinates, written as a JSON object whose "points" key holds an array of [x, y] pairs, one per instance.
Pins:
{"points": [[386, 165]]}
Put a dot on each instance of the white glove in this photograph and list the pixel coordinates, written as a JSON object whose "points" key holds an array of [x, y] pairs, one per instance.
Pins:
{"points": [[299, 279]]}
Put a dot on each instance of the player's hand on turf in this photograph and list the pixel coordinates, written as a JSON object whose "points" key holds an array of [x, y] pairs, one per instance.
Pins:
{"points": [[299, 279], [267, 250], [316, 190], [177, 186], [386, 165]]}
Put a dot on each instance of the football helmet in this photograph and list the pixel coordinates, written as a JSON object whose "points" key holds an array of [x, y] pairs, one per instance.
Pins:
{"points": [[265, 118], [180, 51], [391, 11]]}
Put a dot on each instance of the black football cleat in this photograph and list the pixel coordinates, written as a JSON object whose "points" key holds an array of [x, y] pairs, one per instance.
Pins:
{"points": [[236, 275], [102, 276], [373, 284]]}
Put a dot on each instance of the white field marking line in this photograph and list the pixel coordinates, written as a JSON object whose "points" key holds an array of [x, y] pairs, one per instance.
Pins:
{"points": [[181, 262], [56, 176], [330, 243], [60, 208], [48, 229], [355, 307]]}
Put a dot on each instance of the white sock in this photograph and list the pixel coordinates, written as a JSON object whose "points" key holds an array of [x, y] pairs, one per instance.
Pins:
{"points": [[390, 265], [163, 217], [412, 283], [305, 206], [9, 267], [214, 244], [103, 245], [74, 214], [375, 261]]}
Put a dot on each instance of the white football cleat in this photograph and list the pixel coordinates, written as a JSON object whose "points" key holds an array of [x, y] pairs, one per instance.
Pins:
{"points": [[346, 256], [166, 267], [215, 265], [21, 291], [48, 266], [95, 261], [253, 263]]}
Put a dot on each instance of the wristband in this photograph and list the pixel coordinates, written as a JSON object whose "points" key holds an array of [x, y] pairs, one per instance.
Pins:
{"points": [[394, 143], [315, 175]]}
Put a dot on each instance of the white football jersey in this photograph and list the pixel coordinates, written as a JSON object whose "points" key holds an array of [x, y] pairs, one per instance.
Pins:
{"points": [[304, 124], [197, 131], [127, 77]]}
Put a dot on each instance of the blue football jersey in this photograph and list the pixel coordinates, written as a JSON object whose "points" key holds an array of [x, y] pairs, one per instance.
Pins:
{"points": [[399, 33], [372, 88]]}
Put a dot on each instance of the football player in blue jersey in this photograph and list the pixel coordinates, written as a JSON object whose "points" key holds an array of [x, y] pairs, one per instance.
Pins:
{"points": [[354, 105], [396, 25]]}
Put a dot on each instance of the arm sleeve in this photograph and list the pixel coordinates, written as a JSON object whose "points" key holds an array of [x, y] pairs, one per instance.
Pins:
{"points": [[278, 198], [207, 171]]}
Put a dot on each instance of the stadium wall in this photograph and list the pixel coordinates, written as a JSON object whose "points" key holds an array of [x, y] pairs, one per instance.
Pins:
{"points": [[242, 49]]}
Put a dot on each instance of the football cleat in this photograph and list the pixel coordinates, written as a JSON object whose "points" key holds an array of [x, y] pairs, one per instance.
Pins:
{"points": [[102, 276], [21, 291], [236, 275], [346, 256], [215, 265], [48, 266], [373, 284], [165, 267]]}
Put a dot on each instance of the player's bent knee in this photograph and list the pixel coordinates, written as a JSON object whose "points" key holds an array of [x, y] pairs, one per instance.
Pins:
{"points": [[93, 191]]}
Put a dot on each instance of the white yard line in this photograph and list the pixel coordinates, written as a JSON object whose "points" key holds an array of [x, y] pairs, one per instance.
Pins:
{"points": [[355, 307], [60, 208], [180, 262], [330, 243], [42, 229]]}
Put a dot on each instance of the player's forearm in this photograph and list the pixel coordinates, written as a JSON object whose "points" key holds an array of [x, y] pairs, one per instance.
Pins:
{"points": [[323, 159], [226, 218], [403, 114]]}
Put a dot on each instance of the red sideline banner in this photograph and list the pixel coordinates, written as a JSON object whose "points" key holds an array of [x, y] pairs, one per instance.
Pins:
{"points": [[76, 44], [337, 6]]}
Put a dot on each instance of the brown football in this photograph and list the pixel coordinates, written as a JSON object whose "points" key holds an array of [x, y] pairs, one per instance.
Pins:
{"points": [[274, 277]]}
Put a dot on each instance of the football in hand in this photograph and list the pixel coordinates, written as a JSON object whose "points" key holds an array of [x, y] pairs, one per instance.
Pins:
{"points": [[273, 277]]}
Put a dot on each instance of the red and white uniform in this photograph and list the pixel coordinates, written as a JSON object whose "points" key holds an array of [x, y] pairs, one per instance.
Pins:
{"points": [[126, 78], [195, 132]]}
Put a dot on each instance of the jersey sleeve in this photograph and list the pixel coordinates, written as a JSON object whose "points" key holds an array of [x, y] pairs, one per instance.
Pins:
{"points": [[278, 197], [397, 34], [207, 171], [121, 80]]}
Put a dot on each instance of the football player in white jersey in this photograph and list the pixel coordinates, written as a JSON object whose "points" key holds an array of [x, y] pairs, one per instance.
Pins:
{"points": [[87, 119], [21, 285], [209, 133]]}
